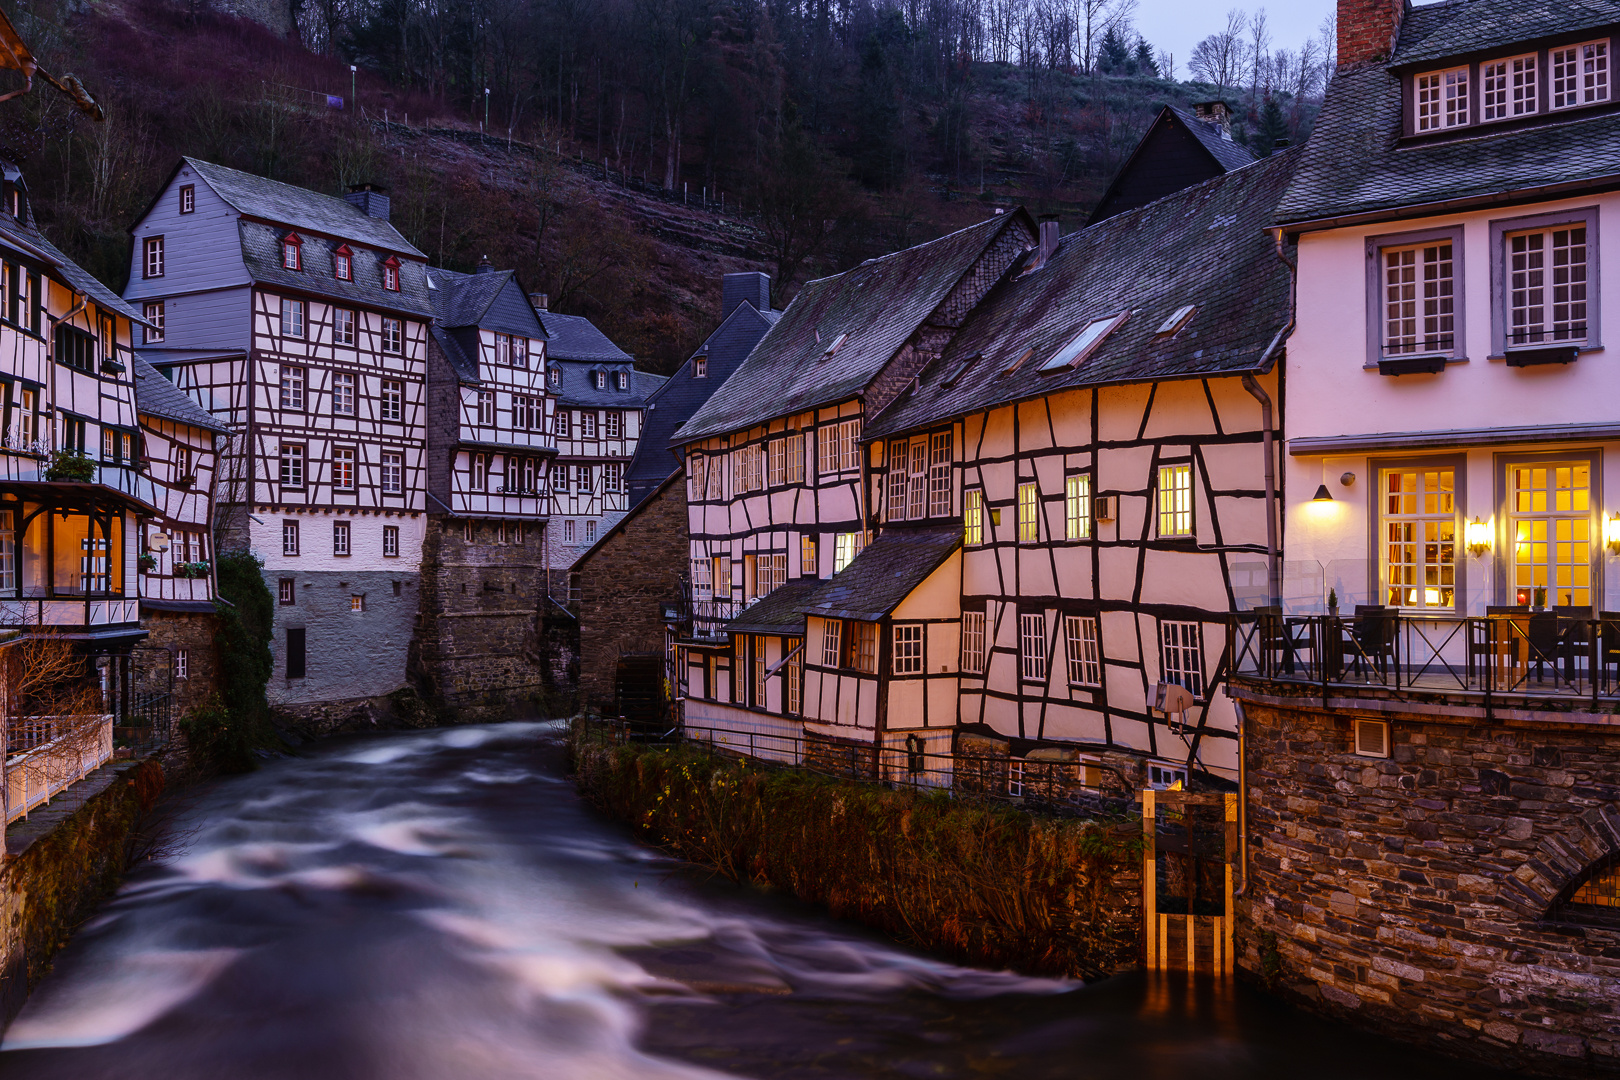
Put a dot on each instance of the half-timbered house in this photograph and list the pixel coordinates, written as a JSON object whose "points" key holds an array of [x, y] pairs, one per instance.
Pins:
{"points": [[1103, 423], [778, 487], [601, 402], [302, 321]]}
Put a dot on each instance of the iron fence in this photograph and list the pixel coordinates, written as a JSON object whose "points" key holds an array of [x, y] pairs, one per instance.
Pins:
{"points": [[1560, 657]]}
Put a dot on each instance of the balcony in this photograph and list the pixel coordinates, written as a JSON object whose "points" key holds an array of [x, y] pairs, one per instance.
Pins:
{"points": [[1509, 663], [46, 755], [89, 613]]}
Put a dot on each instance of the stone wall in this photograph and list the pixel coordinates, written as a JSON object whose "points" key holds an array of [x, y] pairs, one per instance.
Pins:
{"points": [[623, 585], [169, 632], [1419, 895], [476, 654], [350, 654]]}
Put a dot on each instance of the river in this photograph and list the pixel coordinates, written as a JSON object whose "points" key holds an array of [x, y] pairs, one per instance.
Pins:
{"points": [[441, 905]]}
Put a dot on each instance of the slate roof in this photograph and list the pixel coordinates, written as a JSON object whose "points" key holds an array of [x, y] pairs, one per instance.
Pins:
{"points": [[157, 396], [780, 612], [879, 305], [469, 300], [300, 208], [1205, 245], [579, 388], [26, 237], [261, 254], [1353, 163], [572, 337], [465, 366], [1441, 31], [884, 573], [673, 404], [1231, 155]]}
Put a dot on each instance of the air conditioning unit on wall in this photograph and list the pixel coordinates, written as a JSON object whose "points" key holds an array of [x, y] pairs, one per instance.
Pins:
{"points": [[1372, 738], [1102, 508]]}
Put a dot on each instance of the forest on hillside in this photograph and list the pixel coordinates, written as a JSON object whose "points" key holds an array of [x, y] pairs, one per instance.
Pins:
{"points": [[834, 130]]}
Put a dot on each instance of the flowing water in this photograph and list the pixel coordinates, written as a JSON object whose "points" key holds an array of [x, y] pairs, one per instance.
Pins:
{"points": [[440, 905]]}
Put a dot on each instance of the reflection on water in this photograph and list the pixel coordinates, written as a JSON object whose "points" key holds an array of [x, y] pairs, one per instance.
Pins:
{"points": [[440, 905]]}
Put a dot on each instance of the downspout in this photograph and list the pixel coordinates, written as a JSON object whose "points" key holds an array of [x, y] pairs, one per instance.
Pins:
{"points": [[1273, 560]]}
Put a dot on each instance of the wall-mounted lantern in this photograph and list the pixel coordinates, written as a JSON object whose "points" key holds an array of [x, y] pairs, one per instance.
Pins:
{"points": [[1611, 534], [1477, 535]]}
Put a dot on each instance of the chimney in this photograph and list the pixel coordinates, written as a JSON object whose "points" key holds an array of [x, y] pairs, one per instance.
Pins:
{"points": [[752, 287], [371, 199], [1217, 115], [1279, 146], [1368, 29], [540, 300], [1049, 237], [484, 265]]}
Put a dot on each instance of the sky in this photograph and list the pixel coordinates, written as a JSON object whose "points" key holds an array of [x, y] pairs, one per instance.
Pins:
{"points": [[1175, 26]]}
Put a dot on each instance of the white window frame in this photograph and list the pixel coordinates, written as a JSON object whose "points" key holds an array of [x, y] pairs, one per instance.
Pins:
{"points": [[343, 403], [393, 400], [393, 335], [1077, 506], [1181, 655], [188, 198], [292, 317], [152, 265], [702, 583], [343, 468], [613, 424], [1032, 651], [343, 321], [1440, 100], [1578, 74], [153, 311], [289, 538], [795, 458], [700, 367], [486, 408], [1175, 519], [1432, 304], [1509, 88], [293, 465], [832, 642], [1083, 644], [1504, 278], [908, 649], [390, 541], [393, 473], [973, 635], [341, 536]]}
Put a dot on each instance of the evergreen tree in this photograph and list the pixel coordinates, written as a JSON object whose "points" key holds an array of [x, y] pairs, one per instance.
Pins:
{"points": [[1145, 64], [1272, 129], [1114, 56]]}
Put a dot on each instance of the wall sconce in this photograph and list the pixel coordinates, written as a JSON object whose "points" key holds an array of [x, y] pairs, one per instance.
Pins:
{"points": [[1322, 494], [1477, 535], [1611, 534], [1347, 479]]}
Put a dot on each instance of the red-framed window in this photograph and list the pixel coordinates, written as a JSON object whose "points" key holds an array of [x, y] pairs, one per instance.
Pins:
{"points": [[291, 252], [391, 274], [343, 263]]}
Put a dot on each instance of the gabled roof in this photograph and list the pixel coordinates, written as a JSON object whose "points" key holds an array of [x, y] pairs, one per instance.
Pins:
{"points": [[470, 300], [157, 396], [674, 403], [1160, 163], [572, 337], [885, 573], [873, 310], [299, 207], [579, 385], [1353, 165], [1442, 31], [1205, 246], [26, 237], [779, 613], [466, 367], [261, 255]]}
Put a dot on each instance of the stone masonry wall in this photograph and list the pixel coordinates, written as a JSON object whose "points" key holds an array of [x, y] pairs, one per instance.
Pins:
{"points": [[1418, 894], [172, 631], [623, 585], [476, 652]]}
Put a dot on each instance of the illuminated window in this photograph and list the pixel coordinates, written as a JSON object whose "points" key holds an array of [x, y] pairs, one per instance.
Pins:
{"points": [[1420, 538], [1029, 513], [1077, 507], [1550, 508], [357, 602], [973, 517], [807, 557], [843, 551], [1175, 500]]}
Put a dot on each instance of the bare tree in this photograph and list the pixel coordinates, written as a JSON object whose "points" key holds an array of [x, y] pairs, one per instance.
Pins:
{"points": [[1219, 58], [1259, 54]]}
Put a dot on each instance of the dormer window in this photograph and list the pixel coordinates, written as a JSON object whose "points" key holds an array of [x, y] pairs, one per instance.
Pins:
{"points": [[700, 367], [1442, 99], [601, 380], [1580, 74], [1508, 88], [390, 271], [624, 380], [343, 264], [290, 257], [556, 377]]}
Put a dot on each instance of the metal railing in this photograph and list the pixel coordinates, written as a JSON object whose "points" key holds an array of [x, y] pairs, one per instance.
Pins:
{"points": [[146, 724], [1564, 658], [1048, 786]]}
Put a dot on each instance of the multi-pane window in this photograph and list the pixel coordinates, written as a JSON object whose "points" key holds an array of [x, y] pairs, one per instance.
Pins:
{"points": [[292, 317], [1032, 646], [899, 464], [1547, 276], [1085, 657], [722, 577], [973, 642], [1580, 74], [343, 394], [795, 458], [908, 648], [702, 587], [1175, 500], [289, 538], [694, 476], [342, 326], [1508, 88], [794, 676], [939, 474], [154, 315], [770, 574], [1420, 537], [590, 529], [560, 422], [393, 400], [292, 386], [624, 380], [188, 198], [587, 425], [285, 590], [109, 444], [1442, 99], [8, 550], [843, 551], [290, 258], [1181, 656], [390, 541], [343, 468], [340, 537], [973, 517], [600, 378], [1551, 517], [831, 642], [486, 408], [1077, 507], [528, 413], [393, 335], [480, 472], [838, 447], [807, 557], [700, 367], [343, 265], [393, 473], [357, 602], [292, 465], [511, 351], [778, 462], [390, 275], [613, 424], [1419, 299], [1029, 513], [757, 655], [613, 476], [152, 266], [182, 461], [716, 477], [860, 646]]}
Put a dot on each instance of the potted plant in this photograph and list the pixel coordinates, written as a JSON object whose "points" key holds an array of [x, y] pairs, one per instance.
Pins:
{"points": [[1333, 603], [70, 465], [147, 562], [185, 482], [197, 569]]}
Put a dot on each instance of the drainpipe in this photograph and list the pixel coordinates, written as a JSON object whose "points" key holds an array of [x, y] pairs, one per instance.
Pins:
{"points": [[1273, 555]]}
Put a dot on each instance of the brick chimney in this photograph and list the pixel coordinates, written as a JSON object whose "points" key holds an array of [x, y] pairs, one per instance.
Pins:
{"points": [[1049, 236], [751, 286], [1368, 29], [540, 301], [1217, 115]]}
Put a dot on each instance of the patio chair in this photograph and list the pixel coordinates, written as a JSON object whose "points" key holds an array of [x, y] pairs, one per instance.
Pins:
{"points": [[1505, 626], [1574, 628], [1608, 648], [1277, 641], [1371, 638], [1545, 643]]}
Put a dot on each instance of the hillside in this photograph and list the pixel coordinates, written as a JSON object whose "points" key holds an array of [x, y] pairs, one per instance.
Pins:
{"points": [[601, 237]]}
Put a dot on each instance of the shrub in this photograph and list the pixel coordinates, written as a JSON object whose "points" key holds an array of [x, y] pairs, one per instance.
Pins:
{"points": [[70, 465], [224, 733]]}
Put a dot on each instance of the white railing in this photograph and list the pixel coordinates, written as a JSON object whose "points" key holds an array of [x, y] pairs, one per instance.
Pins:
{"points": [[69, 611], [60, 751]]}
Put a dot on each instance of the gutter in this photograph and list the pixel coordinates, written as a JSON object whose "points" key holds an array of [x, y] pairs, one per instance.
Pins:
{"points": [[1471, 202]]}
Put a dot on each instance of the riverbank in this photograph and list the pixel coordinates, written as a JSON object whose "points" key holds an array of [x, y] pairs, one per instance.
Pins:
{"points": [[986, 885]]}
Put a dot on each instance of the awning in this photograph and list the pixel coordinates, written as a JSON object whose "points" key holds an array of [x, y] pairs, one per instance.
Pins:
{"points": [[72, 495]]}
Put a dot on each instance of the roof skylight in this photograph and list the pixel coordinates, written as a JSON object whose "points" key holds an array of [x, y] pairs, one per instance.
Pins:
{"points": [[832, 350], [1178, 318], [961, 370], [1081, 346]]}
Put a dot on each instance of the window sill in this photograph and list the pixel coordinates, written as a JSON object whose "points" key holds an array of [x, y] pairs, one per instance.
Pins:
{"points": [[1540, 355], [1423, 364]]}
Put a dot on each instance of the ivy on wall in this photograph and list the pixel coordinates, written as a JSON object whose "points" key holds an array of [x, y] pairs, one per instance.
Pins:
{"points": [[224, 733]]}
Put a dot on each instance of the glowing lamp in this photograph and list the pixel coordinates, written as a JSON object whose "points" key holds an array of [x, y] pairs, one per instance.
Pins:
{"points": [[1322, 494], [1477, 535], [1611, 534]]}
